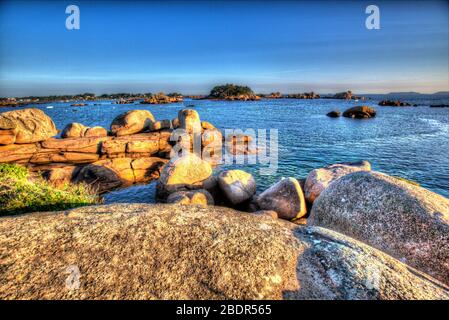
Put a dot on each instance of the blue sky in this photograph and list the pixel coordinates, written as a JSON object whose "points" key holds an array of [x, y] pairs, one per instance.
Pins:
{"points": [[188, 46]]}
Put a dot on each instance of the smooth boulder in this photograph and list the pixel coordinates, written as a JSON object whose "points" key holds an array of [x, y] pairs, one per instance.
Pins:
{"points": [[319, 179], [183, 173], [73, 130], [131, 122], [404, 220], [285, 197], [189, 120], [139, 251], [237, 185], [26, 126]]}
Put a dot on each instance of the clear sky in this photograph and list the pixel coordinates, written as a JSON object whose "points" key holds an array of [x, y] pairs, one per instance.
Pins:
{"points": [[187, 46]]}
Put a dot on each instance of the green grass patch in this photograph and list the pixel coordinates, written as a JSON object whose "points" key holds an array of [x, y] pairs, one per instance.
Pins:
{"points": [[20, 194]]}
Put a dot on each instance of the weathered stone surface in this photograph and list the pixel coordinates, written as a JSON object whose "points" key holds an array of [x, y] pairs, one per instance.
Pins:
{"points": [[195, 197], [73, 130], [401, 219], [147, 169], [82, 145], [96, 132], [189, 120], [146, 146], [7, 136], [17, 152], [360, 112], [189, 252], [183, 173], [63, 157], [237, 185], [319, 179], [285, 197], [131, 122], [30, 125]]}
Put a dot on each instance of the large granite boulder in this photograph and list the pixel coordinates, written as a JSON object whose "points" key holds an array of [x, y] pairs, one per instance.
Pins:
{"points": [[285, 197], [399, 218], [360, 112], [237, 185], [137, 251], [25, 126], [319, 179], [131, 122], [183, 173], [73, 130]]}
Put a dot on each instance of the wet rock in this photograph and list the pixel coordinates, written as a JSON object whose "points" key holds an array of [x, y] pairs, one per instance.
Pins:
{"points": [[237, 185], [131, 122], [28, 125], [319, 179], [197, 197], [399, 218], [285, 197], [192, 252], [334, 114], [362, 112]]}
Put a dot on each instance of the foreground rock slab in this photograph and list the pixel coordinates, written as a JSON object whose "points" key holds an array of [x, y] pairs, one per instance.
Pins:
{"points": [[187, 252], [409, 222]]}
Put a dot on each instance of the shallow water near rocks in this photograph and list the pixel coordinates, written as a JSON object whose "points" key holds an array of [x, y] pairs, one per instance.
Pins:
{"points": [[411, 142]]}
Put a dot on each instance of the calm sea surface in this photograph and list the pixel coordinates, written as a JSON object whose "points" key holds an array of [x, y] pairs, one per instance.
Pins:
{"points": [[411, 142]]}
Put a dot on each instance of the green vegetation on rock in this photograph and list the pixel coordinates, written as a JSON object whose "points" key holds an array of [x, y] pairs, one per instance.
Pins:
{"points": [[230, 90], [19, 193]]}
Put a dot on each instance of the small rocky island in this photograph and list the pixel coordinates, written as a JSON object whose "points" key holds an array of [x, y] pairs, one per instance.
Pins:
{"points": [[232, 92], [333, 234]]}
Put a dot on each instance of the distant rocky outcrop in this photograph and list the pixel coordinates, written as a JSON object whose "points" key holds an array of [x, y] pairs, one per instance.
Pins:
{"points": [[232, 92], [162, 98], [305, 95], [348, 95], [404, 220], [394, 103], [361, 112], [137, 251]]}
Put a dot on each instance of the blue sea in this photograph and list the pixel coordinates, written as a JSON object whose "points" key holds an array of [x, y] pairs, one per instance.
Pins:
{"points": [[411, 142]]}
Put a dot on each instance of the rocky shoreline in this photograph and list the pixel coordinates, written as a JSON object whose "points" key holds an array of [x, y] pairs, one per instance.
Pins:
{"points": [[343, 232]]}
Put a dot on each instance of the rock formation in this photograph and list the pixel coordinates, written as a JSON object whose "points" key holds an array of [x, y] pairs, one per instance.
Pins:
{"points": [[136, 251], [399, 218]]}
